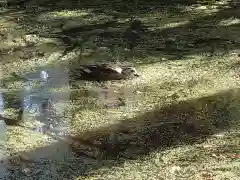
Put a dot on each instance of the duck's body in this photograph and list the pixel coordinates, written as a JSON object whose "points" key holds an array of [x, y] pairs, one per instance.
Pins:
{"points": [[104, 72]]}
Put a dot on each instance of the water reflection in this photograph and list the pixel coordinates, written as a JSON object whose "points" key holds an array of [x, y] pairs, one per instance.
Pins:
{"points": [[3, 151], [43, 100], [43, 103], [39, 108], [38, 102], [2, 128]]}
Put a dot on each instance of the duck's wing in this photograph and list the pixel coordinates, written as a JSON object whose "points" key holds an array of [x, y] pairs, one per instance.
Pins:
{"points": [[112, 68], [100, 72], [89, 68], [103, 69]]}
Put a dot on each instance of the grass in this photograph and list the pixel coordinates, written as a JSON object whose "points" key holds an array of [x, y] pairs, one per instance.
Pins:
{"points": [[189, 61]]}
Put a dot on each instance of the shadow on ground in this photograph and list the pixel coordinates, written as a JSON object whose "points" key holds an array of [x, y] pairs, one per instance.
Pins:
{"points": [[186, 122], [102, 33]]}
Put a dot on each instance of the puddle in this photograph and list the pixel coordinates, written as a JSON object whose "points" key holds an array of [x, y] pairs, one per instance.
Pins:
{"points": [[3, 151], [43, 102], [2, 130], [44, 98], [39, 108]]}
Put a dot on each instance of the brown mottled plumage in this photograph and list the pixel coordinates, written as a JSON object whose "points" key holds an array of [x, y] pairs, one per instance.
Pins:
{"points": [[104, 72]]}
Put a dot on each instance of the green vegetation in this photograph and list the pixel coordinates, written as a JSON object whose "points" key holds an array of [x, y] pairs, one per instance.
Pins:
{"points": [[179, 120]]}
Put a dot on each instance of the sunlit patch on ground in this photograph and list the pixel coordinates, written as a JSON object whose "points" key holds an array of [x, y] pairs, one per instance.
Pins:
{"points": [[200, 87], [67, 14], [229, 22]]}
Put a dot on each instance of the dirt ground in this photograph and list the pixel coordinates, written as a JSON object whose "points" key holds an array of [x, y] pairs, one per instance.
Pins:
{"points": [[178, 120]]}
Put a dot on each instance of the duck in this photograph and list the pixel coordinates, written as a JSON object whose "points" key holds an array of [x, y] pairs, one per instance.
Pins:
{"points": [[105, 72]]}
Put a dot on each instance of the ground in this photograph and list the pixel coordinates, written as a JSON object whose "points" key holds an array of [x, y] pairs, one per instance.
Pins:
{"points": [[179, 120]]}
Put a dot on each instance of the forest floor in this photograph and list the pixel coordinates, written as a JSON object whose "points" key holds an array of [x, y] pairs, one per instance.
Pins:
{"points": [[178, 120]]}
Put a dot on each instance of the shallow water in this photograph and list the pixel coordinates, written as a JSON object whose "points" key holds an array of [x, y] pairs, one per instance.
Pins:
{"points": [[36, 104], [41, 101]]}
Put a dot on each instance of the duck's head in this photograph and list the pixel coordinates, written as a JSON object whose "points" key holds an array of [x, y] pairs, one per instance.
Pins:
{"points": [[130, 72]]}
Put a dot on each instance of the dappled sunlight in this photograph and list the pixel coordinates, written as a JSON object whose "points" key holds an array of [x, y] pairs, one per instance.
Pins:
{"points": [[207, 9], [32, 64], [175, 120], [160, 84], [197, 111], [183, 71], [64, 14], [229, 22], [70, 19], [27, 142], [175, 24]]}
